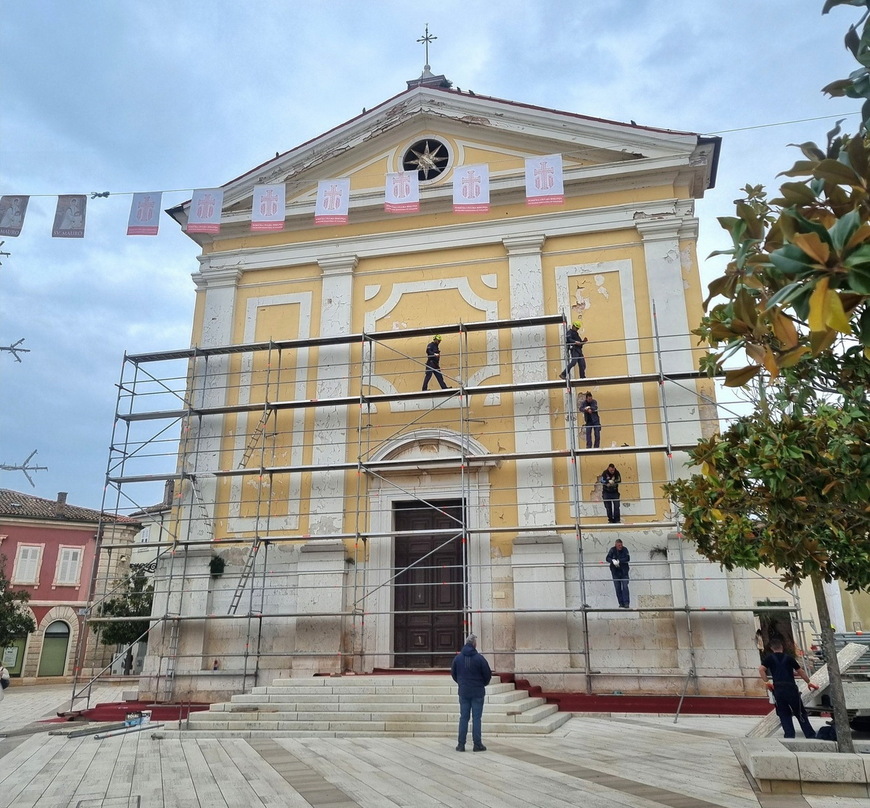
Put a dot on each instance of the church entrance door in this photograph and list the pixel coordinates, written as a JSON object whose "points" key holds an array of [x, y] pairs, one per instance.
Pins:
{"points": [[429, 589]]}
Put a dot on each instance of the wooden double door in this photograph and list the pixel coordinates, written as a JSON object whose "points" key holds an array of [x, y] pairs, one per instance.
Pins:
{"points": [[429, 587]]}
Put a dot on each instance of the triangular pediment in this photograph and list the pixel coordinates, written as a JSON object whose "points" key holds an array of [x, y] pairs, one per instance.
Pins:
{"points": [[473, 129]]}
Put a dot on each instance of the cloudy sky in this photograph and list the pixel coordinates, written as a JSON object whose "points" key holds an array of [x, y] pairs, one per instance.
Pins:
{"points": [[119, 96]]}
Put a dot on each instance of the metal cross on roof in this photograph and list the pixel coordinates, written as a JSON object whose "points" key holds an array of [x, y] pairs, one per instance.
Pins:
{"points": [[425, 40]]}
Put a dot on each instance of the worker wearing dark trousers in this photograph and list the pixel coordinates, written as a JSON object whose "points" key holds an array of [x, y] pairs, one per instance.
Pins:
{"points": [[433, 363], [782, 669], [618, 559], [574, 343], [610, 480], [592, 420]]}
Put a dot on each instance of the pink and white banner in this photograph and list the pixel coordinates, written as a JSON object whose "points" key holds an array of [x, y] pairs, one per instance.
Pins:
{"points": [[12, 212], [69, 218], [402, 192], [205, 211], [144, 214], [333, 201], [544, 184], [268, 210], [471, 189]]}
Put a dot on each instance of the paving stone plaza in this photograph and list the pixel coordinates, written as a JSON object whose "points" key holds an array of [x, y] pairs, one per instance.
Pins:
{"points": [[595, 761]]}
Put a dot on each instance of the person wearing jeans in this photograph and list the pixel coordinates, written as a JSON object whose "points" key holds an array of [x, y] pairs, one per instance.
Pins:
{"points": [[472, 673]]}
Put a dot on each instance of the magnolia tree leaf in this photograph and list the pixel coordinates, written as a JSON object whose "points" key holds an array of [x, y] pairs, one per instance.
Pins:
{"points": [[737, 378], [818, 300], [813, 246]]}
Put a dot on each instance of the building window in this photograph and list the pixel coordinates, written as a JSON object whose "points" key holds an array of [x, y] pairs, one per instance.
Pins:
{"points": [[69, 566], [144, 535], [428, 157], [27, 562]]}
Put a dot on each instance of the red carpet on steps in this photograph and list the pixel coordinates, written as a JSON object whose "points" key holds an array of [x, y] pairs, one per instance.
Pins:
{"points": [[117, 711], [609, 703]]}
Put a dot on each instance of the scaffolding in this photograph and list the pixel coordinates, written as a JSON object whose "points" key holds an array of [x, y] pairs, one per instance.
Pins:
{"points": [[284, 443]]}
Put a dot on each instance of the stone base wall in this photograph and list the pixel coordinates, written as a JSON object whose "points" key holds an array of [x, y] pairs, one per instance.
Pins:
{"points": [[538, 628]]}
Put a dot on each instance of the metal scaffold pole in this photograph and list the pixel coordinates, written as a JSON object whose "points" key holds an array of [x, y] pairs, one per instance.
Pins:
{"points": [[244, 460]]}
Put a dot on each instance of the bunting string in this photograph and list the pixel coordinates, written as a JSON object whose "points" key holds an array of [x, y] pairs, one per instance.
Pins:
{"points": [[471, 194]]}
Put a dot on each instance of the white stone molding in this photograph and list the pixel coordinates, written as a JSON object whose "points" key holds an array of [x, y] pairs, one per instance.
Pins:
{"points": [[247, 421], [66, 615], [531, 415], [209, 385], [471, 234], [326, 512], [489, 309], [624, 269], [472, 487], [666, 270]]}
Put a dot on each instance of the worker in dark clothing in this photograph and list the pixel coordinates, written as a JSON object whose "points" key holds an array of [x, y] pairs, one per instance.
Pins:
{"points": [[610, 480], [782, 669], [471, 672], [589, 407], [617, 559], [433, 363], [574, 344]]}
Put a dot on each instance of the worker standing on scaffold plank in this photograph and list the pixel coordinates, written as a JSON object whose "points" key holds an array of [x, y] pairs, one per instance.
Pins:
{"points": [[575, 343], [433, 363]]}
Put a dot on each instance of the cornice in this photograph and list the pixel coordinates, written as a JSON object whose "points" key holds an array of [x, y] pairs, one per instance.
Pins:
{"points": [[659, 229], [547, 225], [212, 276], [338, 265], [524, 245]]}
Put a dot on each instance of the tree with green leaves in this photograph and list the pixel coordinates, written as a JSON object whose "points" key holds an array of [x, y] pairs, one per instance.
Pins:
{"points": [[15, 620], [788, 486], [133, 599]]}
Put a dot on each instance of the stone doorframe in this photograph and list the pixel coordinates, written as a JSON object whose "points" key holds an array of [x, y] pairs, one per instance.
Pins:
{"points": [[432, 486]]}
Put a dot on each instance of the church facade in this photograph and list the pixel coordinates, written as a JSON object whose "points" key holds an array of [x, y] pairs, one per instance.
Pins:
{"points": [[362, 523]]}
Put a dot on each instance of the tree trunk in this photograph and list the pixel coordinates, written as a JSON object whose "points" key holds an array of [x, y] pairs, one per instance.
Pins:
{"points": [[835, 687]]}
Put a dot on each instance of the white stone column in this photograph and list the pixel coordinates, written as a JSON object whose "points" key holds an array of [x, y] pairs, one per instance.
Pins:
{"points": [[665, 267], [209, 384], [321, 595], [539, 597], [330, 423], [529, 357], [835, 605]]}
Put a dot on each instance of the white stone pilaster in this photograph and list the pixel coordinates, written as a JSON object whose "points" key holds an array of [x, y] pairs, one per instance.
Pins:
{"points": [[209, 387], [539, 597], [529, 358], [664, 271], [330, 423], [320, 585]]}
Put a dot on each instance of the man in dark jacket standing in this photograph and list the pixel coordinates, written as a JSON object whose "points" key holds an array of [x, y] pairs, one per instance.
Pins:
{"points": [[782, 669], [617, 559], [472, 673]]}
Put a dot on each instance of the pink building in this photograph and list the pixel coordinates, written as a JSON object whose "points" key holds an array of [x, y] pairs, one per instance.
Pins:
{"points": [[49, 548]]}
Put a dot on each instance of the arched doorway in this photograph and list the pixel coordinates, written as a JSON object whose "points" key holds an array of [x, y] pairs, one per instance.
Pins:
{"points": [[55, 643]]}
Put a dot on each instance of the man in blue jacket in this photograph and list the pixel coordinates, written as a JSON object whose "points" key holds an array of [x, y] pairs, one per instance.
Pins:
{"points": [[471, 672]]}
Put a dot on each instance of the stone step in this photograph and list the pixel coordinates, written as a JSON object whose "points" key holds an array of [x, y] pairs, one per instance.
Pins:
{"points": [[263, 695], [364, 681], [265, 704], [337, 729], [339, 686], [388, 705], [535, 708]]}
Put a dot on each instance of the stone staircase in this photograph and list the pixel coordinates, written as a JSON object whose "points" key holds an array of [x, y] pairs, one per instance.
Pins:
{"points": [[347, 706]]}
